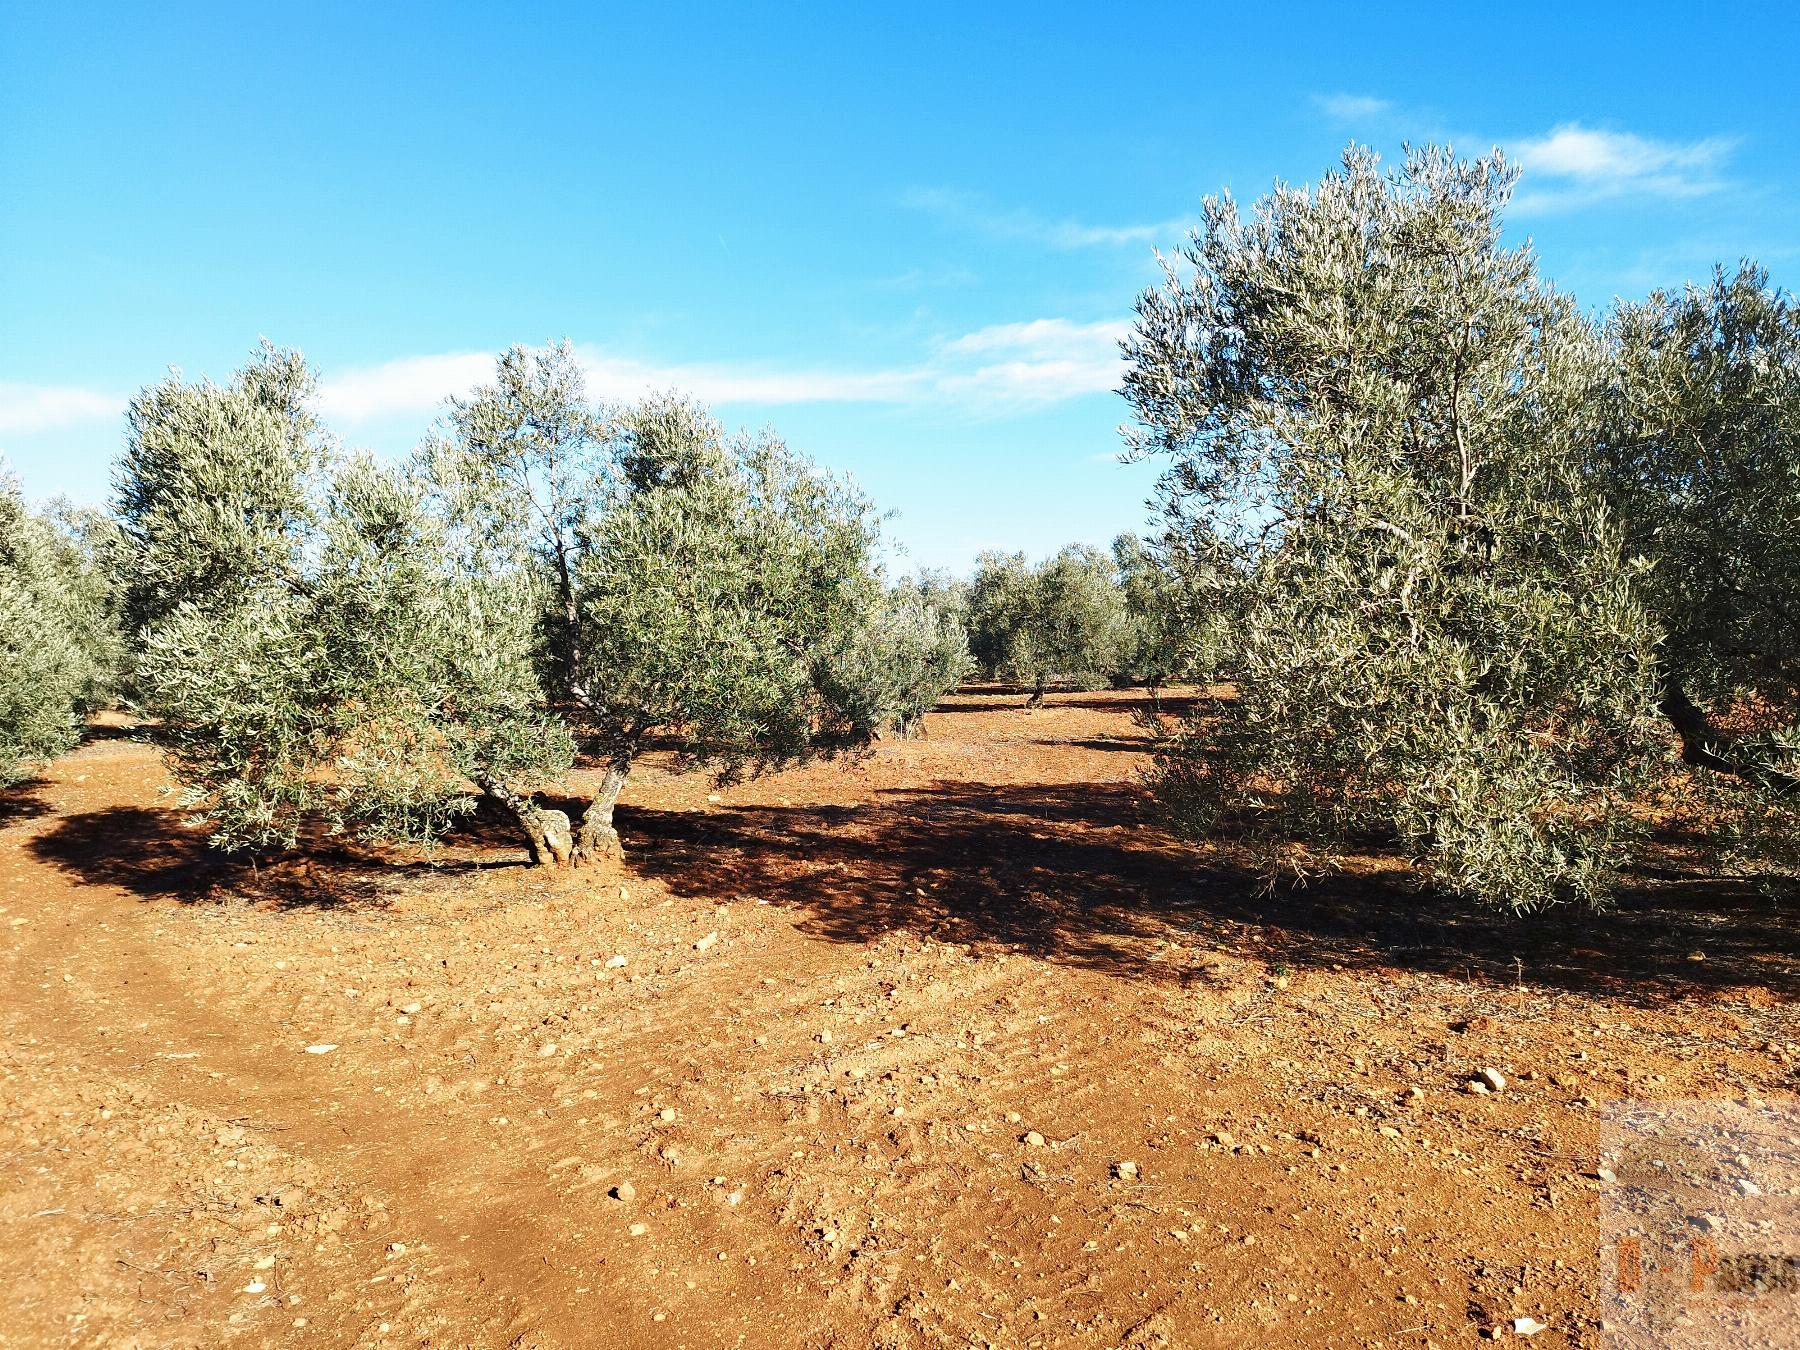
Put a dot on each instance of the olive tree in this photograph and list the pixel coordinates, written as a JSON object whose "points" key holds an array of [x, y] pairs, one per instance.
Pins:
{"points": [[1063, 620], [56, 635], [1164, 633], [1702, 460], [313, 641], [1382, 420], [889, 671], [998, 607], [697, 584]]}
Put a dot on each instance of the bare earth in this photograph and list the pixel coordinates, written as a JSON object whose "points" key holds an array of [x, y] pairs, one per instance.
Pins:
{"points": [[882, 1034]]}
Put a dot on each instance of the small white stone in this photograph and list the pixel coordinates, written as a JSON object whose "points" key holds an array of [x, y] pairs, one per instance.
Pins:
{"points": [[709, 940], [1528, 1326], [255, 1287], [1494, 1079], [322, 1048], [615, 962]]}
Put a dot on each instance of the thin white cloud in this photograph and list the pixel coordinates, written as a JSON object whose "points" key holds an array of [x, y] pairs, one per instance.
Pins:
{"points": [[969, 211], [1351, 107], [1002, 368], [1611, 156], [1044, 338], [416, 385], [1036, 363], [1573, 166], [29, 408], [614, 377]]}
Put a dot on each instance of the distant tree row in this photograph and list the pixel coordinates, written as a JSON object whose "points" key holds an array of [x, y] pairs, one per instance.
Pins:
{"points": [[1083, 619], [59, 643]]}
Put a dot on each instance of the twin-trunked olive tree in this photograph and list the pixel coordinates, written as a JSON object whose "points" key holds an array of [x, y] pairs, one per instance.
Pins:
{"points": [[327, 637]]}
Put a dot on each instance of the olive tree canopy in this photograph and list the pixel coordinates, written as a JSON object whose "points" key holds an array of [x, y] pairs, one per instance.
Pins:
{"points": [[1062, 620], [697, 584], [312, 641], [58, 641], [1383, 420], [1702, 461]]}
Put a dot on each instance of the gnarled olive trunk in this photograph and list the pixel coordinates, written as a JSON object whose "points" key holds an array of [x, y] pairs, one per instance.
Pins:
{"points": [[1704, 748], [546, 832], [597, 838]]}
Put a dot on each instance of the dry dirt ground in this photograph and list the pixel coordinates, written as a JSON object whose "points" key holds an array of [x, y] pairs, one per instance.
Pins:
{"points": [[848, 1056]]}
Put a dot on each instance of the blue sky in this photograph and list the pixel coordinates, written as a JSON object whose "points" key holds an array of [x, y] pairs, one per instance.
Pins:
{"points": [[907, 236]]}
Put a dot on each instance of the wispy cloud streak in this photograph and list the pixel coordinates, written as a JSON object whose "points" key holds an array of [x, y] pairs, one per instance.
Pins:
{"points": [[968, 211]]}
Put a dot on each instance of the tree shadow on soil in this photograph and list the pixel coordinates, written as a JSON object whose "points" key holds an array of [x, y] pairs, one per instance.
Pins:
{"points": [[23, 801], [1079, 874], [155, 856]]}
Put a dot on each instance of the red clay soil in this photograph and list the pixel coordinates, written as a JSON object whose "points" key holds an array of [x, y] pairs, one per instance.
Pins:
{"points": [[848, 1056]]}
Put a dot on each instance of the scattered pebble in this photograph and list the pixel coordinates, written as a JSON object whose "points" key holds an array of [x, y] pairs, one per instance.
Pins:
{"points": [[1125, 1171], [1528, 1326], [711, 939], [1493, 1078], [322, 1048]]}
